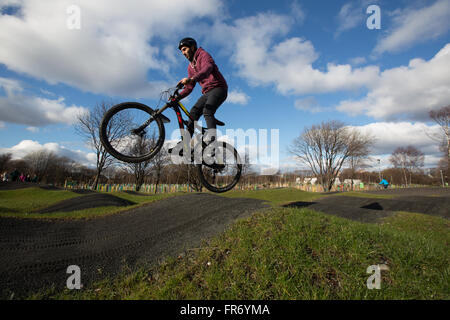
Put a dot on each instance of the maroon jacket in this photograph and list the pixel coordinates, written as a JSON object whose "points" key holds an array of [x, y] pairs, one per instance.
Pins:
{"points": [[203, 70]]}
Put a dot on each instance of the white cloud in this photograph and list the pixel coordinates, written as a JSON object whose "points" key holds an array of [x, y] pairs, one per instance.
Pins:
{"points": [[28, 146], [358, 60], [237, 97], [309, 104], [287, 64], [9, 3], [47, 93], [406, 92], [34, 111], [350, 16], [264, 56], [113, 51], [33, 129], [353, 14], [413, 26], [10, 86], [391, 135], [297, 12]]}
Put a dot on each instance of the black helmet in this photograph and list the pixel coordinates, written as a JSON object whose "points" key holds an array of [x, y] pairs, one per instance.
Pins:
{"points": [[187, 42]]}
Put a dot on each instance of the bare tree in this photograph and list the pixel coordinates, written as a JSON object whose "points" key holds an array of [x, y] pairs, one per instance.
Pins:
{"points": [[139, 169], [153, 166], [60, 168], [158, 164], [359, 159], [326, 147], [187, 173], [442, 118], [88, 125], [247, 168], [5, 161], [408, 159], [39, 162]]}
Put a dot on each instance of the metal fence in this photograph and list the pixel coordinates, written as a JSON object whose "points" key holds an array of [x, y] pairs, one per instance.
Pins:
{"points": [[170, 188]]}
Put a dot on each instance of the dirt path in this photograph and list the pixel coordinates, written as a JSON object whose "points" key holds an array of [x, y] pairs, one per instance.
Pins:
{"points": [[36, 253]]}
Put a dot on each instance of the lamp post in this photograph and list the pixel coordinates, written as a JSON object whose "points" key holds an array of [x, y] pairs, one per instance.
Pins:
{"points": [[379, 168]]}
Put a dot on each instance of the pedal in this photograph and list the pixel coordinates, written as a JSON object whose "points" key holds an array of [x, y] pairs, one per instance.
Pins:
{"points": [[171, 149], [181, 153]]}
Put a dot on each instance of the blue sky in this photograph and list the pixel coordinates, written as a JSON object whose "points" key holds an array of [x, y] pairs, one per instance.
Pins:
{"points": [[288, 64]]}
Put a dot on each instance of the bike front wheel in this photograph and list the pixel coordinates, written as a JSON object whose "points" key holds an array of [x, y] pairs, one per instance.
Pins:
{"points": [[131, 133], [221, 170]]}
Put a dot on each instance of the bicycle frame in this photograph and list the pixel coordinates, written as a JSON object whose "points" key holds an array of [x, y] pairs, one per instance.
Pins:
{"points": [[181, 122], [176, 105], [215, 170]]}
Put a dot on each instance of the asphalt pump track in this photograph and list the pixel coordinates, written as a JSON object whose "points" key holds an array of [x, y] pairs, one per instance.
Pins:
{"points": [[431, 201]]}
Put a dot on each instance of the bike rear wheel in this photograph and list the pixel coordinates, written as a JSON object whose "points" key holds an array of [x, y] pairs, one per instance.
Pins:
{"points": [[125, 136], [222, 171]]}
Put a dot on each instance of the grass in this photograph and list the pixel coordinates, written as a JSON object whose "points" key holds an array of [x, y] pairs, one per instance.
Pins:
{"points": [[280, 197], [279, 253], [275, 197], [430, 227], [22, 202], [290, 253], [105, 211]]}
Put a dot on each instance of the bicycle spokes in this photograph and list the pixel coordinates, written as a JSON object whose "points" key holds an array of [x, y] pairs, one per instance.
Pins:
{"points": [[220, 170], [137, 136]]}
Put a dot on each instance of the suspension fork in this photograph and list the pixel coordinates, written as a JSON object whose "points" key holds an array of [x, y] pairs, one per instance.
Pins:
{"points": [[139, 131]]}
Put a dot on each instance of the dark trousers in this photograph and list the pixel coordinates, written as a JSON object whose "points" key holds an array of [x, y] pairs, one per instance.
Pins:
{"points": [[207, 105]]}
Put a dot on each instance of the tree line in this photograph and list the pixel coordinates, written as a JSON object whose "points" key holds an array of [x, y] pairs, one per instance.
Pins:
{"points": [[52, 169], [329, 150], [44, 167], [329, 147]]}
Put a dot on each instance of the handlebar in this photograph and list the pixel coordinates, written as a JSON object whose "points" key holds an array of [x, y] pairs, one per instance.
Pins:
{"points": [[172, 98], [176, 93]]}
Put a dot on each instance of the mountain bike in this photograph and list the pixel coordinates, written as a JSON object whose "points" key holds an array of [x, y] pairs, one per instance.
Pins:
{"points": [[133, 132]]}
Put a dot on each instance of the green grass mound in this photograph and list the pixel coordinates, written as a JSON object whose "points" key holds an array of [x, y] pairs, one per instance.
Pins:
{"points": [[33, 202], [289, 253]]}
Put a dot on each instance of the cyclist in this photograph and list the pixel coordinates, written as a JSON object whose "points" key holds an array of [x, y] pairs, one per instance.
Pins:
{"points": [[384, 183], [203, 69]]}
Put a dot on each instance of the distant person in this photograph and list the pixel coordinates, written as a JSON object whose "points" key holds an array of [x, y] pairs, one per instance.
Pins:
{"points": [[22, 178], [384, 183], [5, 176], [15, 175]]}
